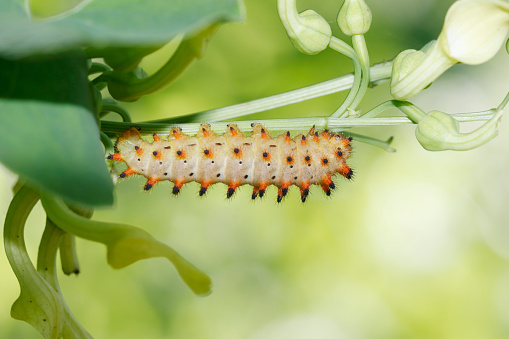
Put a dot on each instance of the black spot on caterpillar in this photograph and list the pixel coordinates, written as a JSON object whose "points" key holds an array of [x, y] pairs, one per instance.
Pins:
{"points": [[314, 159]]}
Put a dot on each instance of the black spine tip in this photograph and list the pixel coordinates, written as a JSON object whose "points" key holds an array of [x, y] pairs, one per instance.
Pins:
{"points": [[279, 198], [203, 190], [175, 190], [230, 192], [350, 138], [332, 186], [303, 198], [327, 193], [255, 194], [122, 175], [261, 193], [147, 187], [284, 191], [349, 175], [110, 157]]}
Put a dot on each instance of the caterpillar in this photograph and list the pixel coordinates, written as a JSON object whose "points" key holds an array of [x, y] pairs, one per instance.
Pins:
{"points": [[234, 159]]}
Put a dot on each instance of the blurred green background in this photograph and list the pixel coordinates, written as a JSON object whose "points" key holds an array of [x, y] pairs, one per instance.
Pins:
{"points": [[416, 246]]}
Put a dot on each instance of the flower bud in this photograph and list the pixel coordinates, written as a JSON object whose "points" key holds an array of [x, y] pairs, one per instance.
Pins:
{"points": [[474, 30], [354, 17], [309, 32], [439, 131]]}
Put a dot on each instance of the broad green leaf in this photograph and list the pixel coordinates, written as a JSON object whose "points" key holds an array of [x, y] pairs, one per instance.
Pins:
{"points": [[109, 23], [48, 131]]}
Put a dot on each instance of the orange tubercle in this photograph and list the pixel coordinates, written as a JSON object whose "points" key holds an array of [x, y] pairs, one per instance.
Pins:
{"points": [[150, 183], [115, 156], [303, 141], [181, 154], [345, 171], [127, 172], [237, 152], [287, 137], [327, 180], [263, 185], [177, 133], [156, 137]]}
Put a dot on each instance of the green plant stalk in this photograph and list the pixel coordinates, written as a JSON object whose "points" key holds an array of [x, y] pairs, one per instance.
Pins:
{"points": [[379, 73], [46, 266], [127, 87], [385, 145], [295, 124], [110, 105], [125, 244], [505, 101], [410, 110], [107, 143], [38, 303], [68, 256], [97, 67], [359, 45], [339, 46]]}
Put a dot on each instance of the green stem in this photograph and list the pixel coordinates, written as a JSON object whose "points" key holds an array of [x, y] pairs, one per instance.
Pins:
{"points": [[68, 256], [383, 144], [359, 44], [125, 86], [380, 72], [339, 45], [504, 102], [126, 244], [296, 124], [107, 143], [38, 303], [110, 105], [412, 111], [97, 67], [46, 266]]}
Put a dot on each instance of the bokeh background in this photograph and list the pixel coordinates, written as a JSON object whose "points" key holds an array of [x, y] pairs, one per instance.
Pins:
{"points": [[416, 246]]}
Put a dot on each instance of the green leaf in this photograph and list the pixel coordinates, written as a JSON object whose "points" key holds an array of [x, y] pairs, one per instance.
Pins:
{"points": [[109, 23], [48, 130]]}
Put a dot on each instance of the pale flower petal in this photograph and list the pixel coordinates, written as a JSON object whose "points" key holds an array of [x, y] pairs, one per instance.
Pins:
{"points": [[474, 30]]}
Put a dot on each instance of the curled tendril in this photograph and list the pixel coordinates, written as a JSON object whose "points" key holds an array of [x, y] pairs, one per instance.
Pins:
{"points": [[125, 244], [40, 302]]}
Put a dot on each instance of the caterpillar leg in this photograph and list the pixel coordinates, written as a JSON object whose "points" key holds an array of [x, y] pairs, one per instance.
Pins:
{"points": [[283, 190], [204, 186], [304, 191], [177, 186]]}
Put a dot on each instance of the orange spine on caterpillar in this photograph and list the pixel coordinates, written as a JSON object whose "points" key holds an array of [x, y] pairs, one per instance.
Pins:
{"points": [[234, 159]]}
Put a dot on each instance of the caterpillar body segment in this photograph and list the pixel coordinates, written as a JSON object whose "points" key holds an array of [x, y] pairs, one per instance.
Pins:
{"points": [[234, 159]]}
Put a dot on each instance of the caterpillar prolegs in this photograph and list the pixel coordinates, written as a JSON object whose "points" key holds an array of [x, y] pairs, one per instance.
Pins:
{"points": [[234, 159]]}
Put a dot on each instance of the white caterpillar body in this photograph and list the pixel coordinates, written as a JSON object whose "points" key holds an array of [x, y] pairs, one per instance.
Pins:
{"points": [[234, 159]]}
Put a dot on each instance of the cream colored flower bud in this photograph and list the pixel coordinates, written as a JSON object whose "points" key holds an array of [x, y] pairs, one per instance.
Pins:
{"points": [[309, 32], [354, 17], [439, 131], [474, 30]]}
